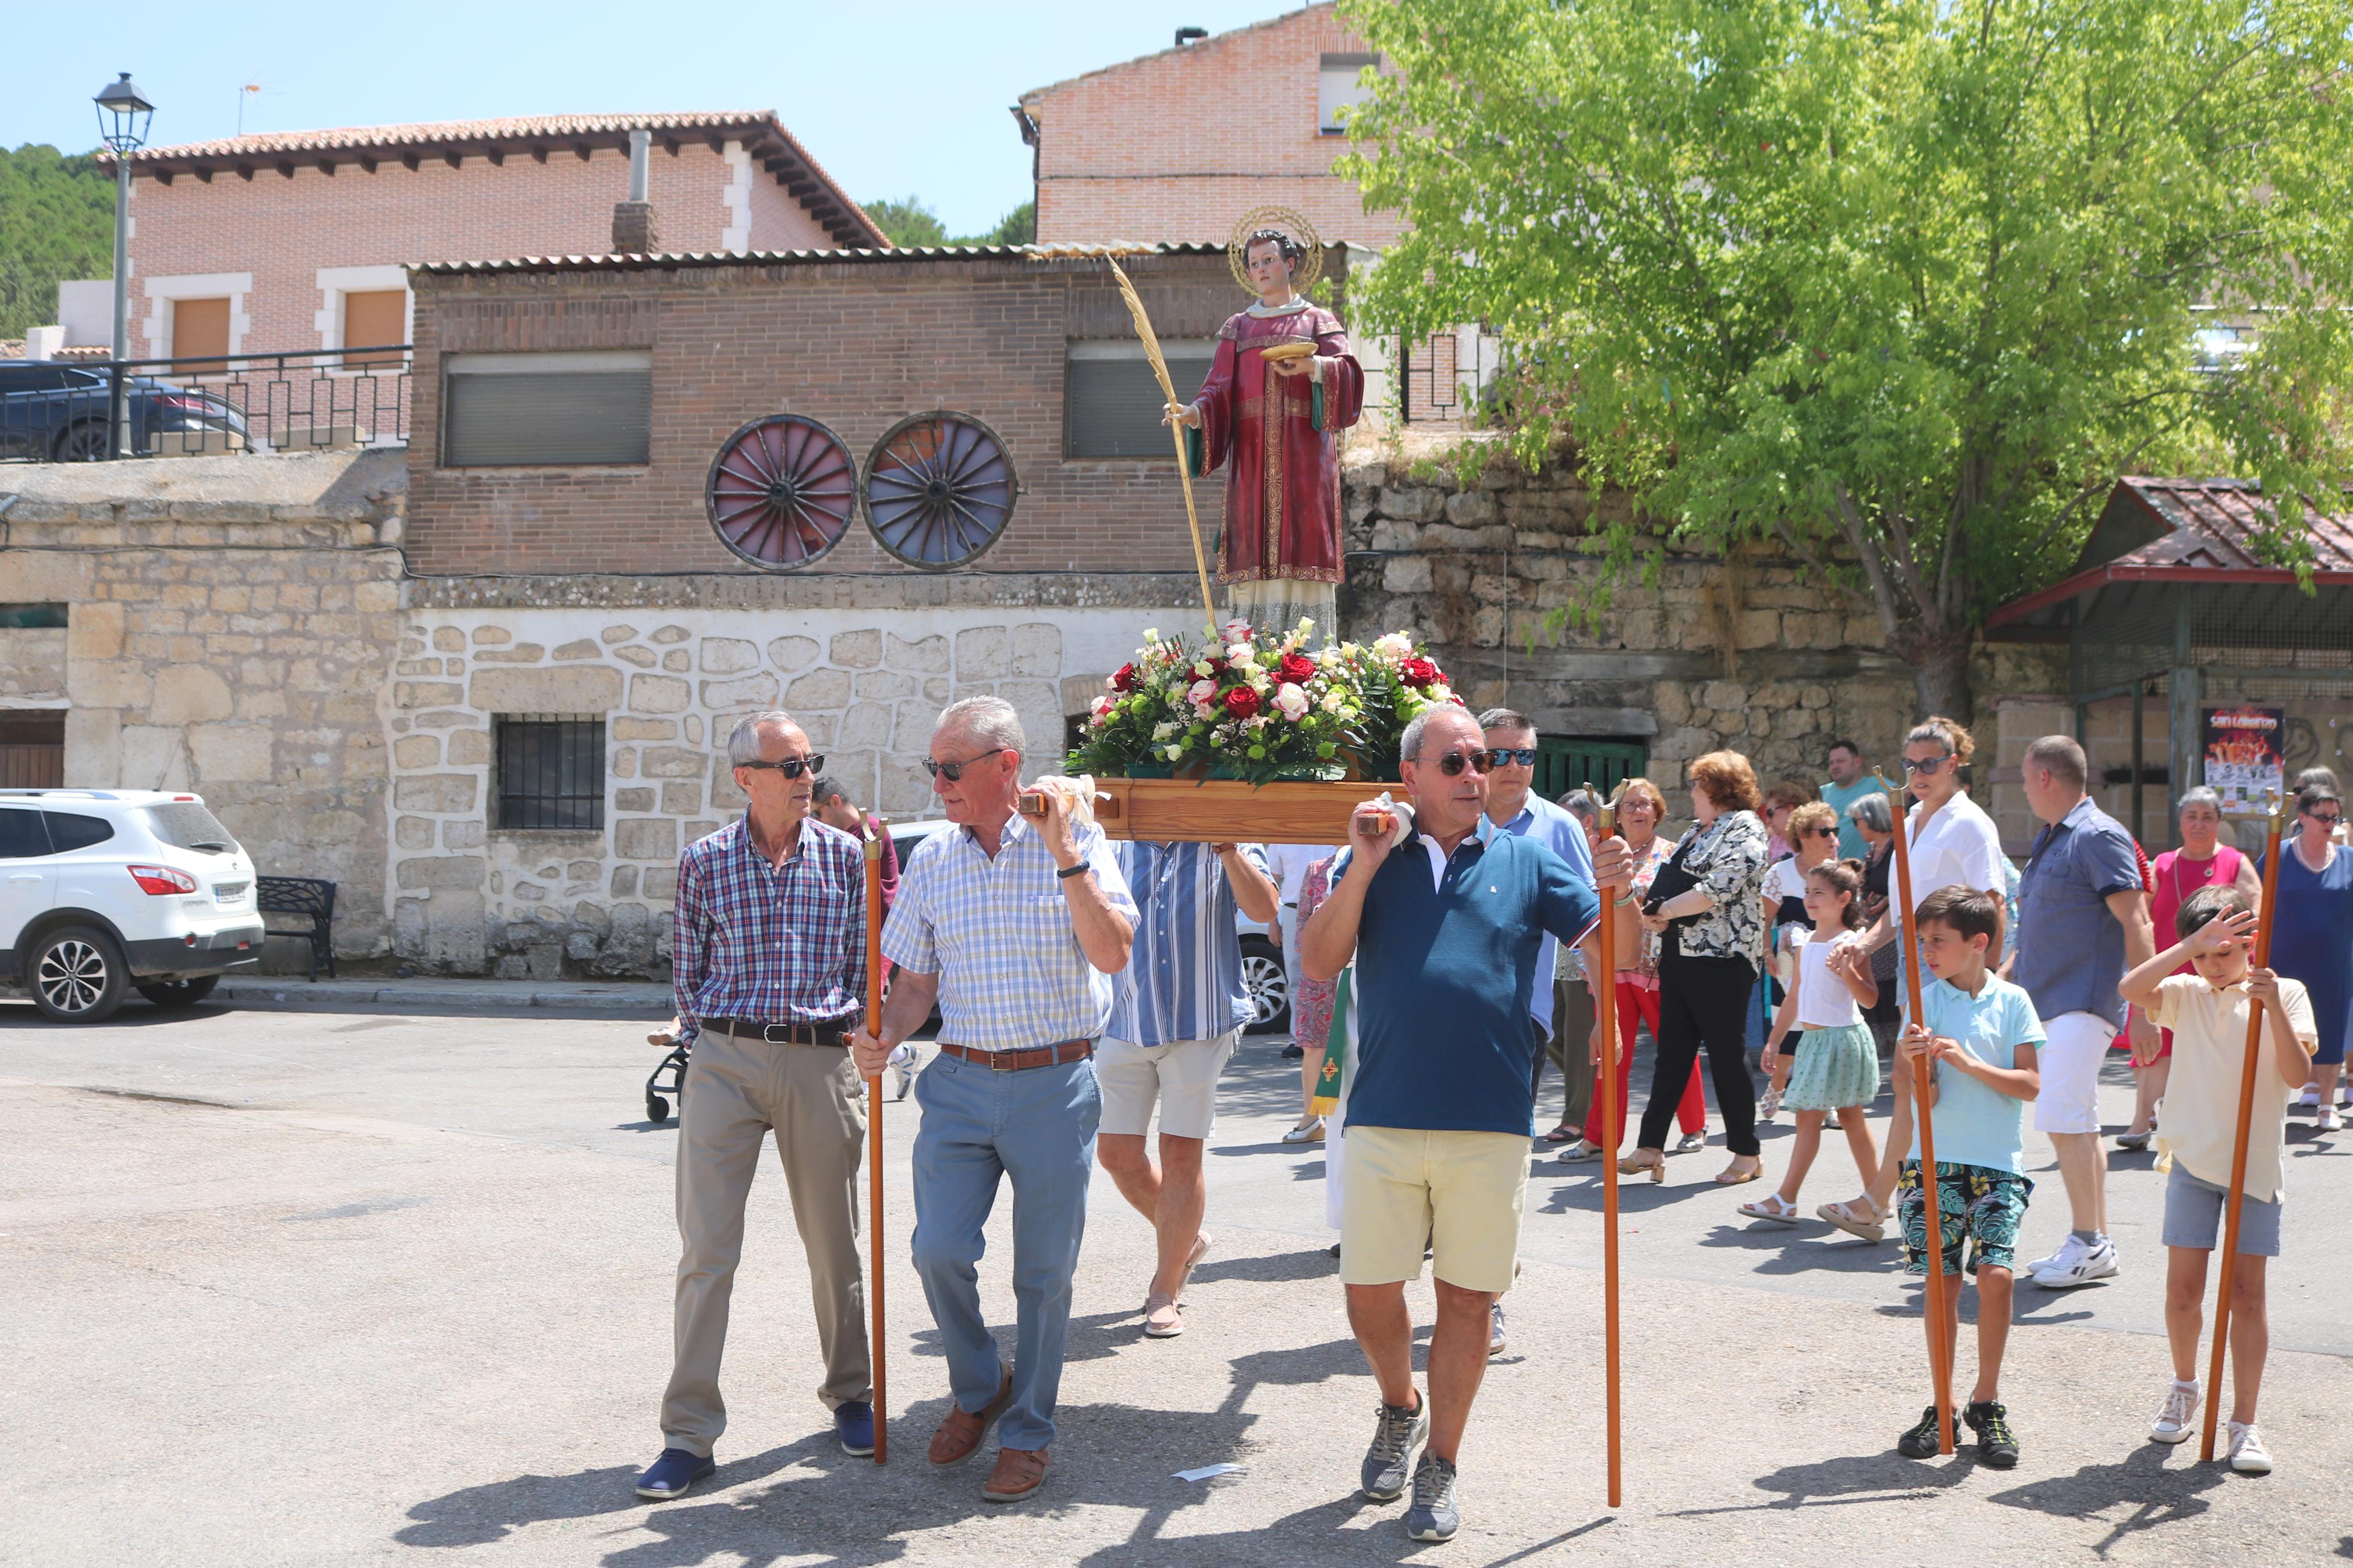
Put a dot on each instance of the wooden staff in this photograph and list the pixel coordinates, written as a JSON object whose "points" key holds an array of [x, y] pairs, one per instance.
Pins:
{"points": [[874, 1135], [2262, 958], [1940, 1370], [1606, 996], [1183, 461]]}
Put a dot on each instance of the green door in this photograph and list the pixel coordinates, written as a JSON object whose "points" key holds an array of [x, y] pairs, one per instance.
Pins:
{"points": [[1563, 764]]}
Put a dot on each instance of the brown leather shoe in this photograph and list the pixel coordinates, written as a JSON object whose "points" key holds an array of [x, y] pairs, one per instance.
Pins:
{"points": [[1018, 1473], [961, 1433]]}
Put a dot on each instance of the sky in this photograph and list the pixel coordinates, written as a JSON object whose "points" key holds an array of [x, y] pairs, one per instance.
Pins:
{"points": [[911, 98]]}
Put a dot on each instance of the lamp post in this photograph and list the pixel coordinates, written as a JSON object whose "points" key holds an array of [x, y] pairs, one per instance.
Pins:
{"points": [[122, 120]]}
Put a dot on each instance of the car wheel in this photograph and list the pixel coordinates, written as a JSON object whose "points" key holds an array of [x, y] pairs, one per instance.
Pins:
{"points": [[177, 994], [84, 441], [76, 975], [1266, 985]]}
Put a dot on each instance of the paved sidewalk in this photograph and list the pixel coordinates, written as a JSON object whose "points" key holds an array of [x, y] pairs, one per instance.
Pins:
{"points": [[614, 998]]}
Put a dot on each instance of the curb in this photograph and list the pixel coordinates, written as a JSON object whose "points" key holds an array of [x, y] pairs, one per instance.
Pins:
{"points": [[298, 996]]}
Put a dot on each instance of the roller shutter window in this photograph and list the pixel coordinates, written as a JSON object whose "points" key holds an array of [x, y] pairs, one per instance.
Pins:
{"points": [[1111, 401], [546, 409]]}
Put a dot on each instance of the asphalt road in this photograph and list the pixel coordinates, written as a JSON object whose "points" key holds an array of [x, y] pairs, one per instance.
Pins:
{"points": [[327, 1288]]}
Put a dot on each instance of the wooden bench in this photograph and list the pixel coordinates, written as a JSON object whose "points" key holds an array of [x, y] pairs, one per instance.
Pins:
{"points": [[302, 895]]}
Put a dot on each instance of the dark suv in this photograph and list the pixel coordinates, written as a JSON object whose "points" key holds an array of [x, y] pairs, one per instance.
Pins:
{"points": [[58, 413]]}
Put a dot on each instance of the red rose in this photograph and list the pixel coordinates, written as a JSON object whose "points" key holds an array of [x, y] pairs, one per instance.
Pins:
{"points": [[1420, 672], [1297, 668], [1241, 702], [1125, 679]]}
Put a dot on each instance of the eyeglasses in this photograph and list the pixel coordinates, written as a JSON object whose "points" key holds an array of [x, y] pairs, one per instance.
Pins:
{"points": [[1512, 757], [954, 771], [791, 767], [1924, 765]]}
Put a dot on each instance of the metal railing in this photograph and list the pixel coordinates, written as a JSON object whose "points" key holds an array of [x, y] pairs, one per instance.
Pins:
{"points": [[90, 410]]}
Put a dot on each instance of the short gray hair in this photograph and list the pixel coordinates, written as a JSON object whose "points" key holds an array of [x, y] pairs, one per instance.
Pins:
{"points": [[1410, 744], [1506, 719], [1872, 812], [743, 744], [1583, 804], [988, 719], [2198, 795], [2061, 757]]}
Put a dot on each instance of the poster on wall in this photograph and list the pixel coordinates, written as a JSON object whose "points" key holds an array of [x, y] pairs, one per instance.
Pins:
{"points": [[2245, 759]]}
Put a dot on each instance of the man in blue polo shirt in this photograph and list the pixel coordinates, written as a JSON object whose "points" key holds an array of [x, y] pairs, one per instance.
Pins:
{"points": [[1447, 928]]}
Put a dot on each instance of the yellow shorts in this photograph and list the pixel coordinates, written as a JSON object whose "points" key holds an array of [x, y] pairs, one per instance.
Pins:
{"points": [[1462, 1192]]}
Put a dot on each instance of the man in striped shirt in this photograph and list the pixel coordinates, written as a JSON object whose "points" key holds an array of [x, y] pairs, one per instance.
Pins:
{"points": [[1016, 927], [1179, 1014]]}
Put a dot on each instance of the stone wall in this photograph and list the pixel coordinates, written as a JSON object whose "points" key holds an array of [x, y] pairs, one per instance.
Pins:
{"points": [[228, 623], [670, 663]]}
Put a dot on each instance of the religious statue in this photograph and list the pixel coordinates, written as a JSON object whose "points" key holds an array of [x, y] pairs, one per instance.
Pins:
{"points": [[1283, 385]]}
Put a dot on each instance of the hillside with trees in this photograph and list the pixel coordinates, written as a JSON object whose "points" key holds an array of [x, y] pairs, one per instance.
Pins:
{"points": [[56, 221]]}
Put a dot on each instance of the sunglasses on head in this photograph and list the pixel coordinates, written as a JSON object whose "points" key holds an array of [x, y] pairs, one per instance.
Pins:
{"points": [[1926, 765], [791, 767], [953, 772]]}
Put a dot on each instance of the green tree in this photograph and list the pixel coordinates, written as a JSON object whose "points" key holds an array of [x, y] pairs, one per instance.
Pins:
{"points": [[1903, 285], [1018, 226], [56, 221], [907, 223]]}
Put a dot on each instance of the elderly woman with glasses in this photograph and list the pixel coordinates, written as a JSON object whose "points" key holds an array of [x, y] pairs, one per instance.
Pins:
{"points": [[2312, 935]]}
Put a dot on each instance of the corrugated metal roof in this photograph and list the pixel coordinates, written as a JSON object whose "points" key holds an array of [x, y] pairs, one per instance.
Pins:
{"points": [[923, 253]]}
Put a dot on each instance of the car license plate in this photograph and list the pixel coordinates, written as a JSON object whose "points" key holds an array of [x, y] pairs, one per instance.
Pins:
{"points": [[231, 892]]}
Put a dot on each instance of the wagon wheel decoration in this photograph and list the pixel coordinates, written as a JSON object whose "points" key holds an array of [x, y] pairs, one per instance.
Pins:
{"points": [[782, 492], [939, 490]]}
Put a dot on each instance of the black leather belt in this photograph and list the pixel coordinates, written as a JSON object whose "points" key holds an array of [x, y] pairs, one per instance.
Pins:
{"points": [[782, 1033]]}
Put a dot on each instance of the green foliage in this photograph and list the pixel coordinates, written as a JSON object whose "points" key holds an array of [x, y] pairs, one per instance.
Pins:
{"points": [[912, 222], [1903, 286], [56, 221]]}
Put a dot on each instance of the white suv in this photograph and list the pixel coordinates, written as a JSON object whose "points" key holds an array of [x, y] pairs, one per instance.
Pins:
{"points": [[103, 891]]}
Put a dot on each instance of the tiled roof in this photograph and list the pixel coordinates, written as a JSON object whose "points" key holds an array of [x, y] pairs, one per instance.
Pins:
{"points": [[2215, 522], [540, 137], [923, 253]]}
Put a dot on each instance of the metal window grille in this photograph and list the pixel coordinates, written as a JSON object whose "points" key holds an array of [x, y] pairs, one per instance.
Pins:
{"points": [[551, 772]]}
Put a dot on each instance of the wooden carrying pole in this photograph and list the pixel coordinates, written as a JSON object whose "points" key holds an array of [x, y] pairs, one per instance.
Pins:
{"points": [[2262, 958], [1940, 1371], [874, 1137], [1605, 991], [1183, 462]]}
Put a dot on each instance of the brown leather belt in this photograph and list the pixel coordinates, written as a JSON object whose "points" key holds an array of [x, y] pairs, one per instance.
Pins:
{"points": [[1053, 1056], [782, 1033]]}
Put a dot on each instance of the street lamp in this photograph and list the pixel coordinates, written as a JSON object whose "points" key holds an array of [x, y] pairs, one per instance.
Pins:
{"points": [[122, 119]]}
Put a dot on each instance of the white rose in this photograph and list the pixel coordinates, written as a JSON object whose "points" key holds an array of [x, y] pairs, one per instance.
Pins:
{"points": [[1239, 653], [1163, 731], [1394, 645], [1290, 701], [1333, 702]]}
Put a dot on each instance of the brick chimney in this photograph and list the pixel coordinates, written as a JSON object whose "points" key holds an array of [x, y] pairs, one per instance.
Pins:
{"points": [[634, 233]]}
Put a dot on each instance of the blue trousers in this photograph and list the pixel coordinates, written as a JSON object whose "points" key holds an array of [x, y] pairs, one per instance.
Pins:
{"points": [[1039, 1128]]}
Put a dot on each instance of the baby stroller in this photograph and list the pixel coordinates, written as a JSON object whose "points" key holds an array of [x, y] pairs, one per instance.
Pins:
{"points": [[674, 1064]]}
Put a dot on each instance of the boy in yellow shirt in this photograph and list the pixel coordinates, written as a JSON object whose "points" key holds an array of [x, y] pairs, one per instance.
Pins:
{"points": [[2207, 1012]]}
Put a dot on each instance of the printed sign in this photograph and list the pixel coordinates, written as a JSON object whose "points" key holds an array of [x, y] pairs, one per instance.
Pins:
{"points": [[2244, 760]]}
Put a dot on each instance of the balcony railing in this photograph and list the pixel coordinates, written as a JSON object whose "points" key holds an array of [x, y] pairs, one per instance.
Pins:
{"points": [[55, 411]]}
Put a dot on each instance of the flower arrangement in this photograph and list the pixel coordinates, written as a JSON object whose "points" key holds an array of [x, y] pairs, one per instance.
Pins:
{"points": [[1257, 707]]}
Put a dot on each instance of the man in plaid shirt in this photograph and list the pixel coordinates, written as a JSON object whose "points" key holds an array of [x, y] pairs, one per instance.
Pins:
{"points": [[769, 970], [1016, 927]]}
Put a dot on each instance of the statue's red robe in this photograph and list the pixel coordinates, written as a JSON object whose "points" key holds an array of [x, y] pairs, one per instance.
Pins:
{"points": [[1275, 436]]}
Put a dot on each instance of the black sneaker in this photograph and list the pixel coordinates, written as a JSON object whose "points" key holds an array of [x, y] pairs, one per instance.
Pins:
{"points": [[1921, 1442], [1433, 1515], [1996, 1443]]}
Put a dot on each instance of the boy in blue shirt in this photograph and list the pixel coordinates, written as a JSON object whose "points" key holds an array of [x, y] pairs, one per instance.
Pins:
{"points": [[1981, 1033]]}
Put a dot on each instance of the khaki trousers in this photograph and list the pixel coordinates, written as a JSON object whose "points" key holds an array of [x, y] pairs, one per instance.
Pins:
{"points": [[737, 1089]]}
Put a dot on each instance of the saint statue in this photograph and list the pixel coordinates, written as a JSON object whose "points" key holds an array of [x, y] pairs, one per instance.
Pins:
{"points": [[1272, 420]]}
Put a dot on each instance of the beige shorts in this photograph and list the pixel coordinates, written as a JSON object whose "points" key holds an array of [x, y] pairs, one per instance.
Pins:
{"points": [[1182, 1075], [1462, 1192]]}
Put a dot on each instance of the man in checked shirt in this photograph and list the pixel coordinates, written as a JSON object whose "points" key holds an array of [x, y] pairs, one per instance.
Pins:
{"points": [[1017, 926], [770, 968]]}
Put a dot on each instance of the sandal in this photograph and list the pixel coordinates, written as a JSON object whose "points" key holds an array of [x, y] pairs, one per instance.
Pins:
{"points": [[2133, 1140], [1561, 1134], [1581, 1154], [1772, 1206], [1846, 1217], [1729, 1177], [1692, 1143], [1643, 1159]]}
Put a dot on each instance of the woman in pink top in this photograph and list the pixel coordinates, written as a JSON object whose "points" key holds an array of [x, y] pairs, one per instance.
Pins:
{"points": [[2202, 861]]}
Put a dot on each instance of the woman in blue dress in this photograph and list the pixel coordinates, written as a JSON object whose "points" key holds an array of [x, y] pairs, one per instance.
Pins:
{"points": [[2312, 936]]}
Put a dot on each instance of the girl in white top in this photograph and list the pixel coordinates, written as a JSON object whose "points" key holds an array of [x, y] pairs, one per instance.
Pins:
{"points": [[1838, 1069], [1812, 832], [1952, 842]]}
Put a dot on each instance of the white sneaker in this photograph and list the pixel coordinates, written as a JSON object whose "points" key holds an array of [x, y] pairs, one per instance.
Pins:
{"points": [[2070, 1252], [2307, 1097], [2172, 1424], [2091, 1263], [902, 1066], [2328, 1121], [2248, 1456]]}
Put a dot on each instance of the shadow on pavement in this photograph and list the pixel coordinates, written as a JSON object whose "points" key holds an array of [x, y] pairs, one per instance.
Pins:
{"points": [[2155, 1493], [1886, 1478], [1804, 1248], [476, 1516], [1269, 1269]]}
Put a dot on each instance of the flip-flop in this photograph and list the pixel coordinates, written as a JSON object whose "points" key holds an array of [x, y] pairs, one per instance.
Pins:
{"points": [[1560, 1134], [1772, 1206], [1842, 1217]]}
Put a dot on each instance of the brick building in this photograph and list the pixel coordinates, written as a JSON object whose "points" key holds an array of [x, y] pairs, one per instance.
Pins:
{"points": [[289, 241]]}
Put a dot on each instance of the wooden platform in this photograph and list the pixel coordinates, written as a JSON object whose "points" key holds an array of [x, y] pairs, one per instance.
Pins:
{"points": [[1223, 810]]}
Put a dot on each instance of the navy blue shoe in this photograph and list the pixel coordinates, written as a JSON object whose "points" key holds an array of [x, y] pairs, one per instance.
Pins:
{"points": [[671, 1475], [854, 1423]]}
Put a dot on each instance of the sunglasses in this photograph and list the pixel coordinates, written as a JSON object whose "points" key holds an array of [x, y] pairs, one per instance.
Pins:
{"points": [[954, 771], [1822, 833], [1926, 765], [2329, 819], [1453, 763], [1512, 757], [791, 767]]}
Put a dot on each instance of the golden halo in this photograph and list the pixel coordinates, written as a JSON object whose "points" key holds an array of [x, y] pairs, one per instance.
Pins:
{"points": [[1292, 222]]}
